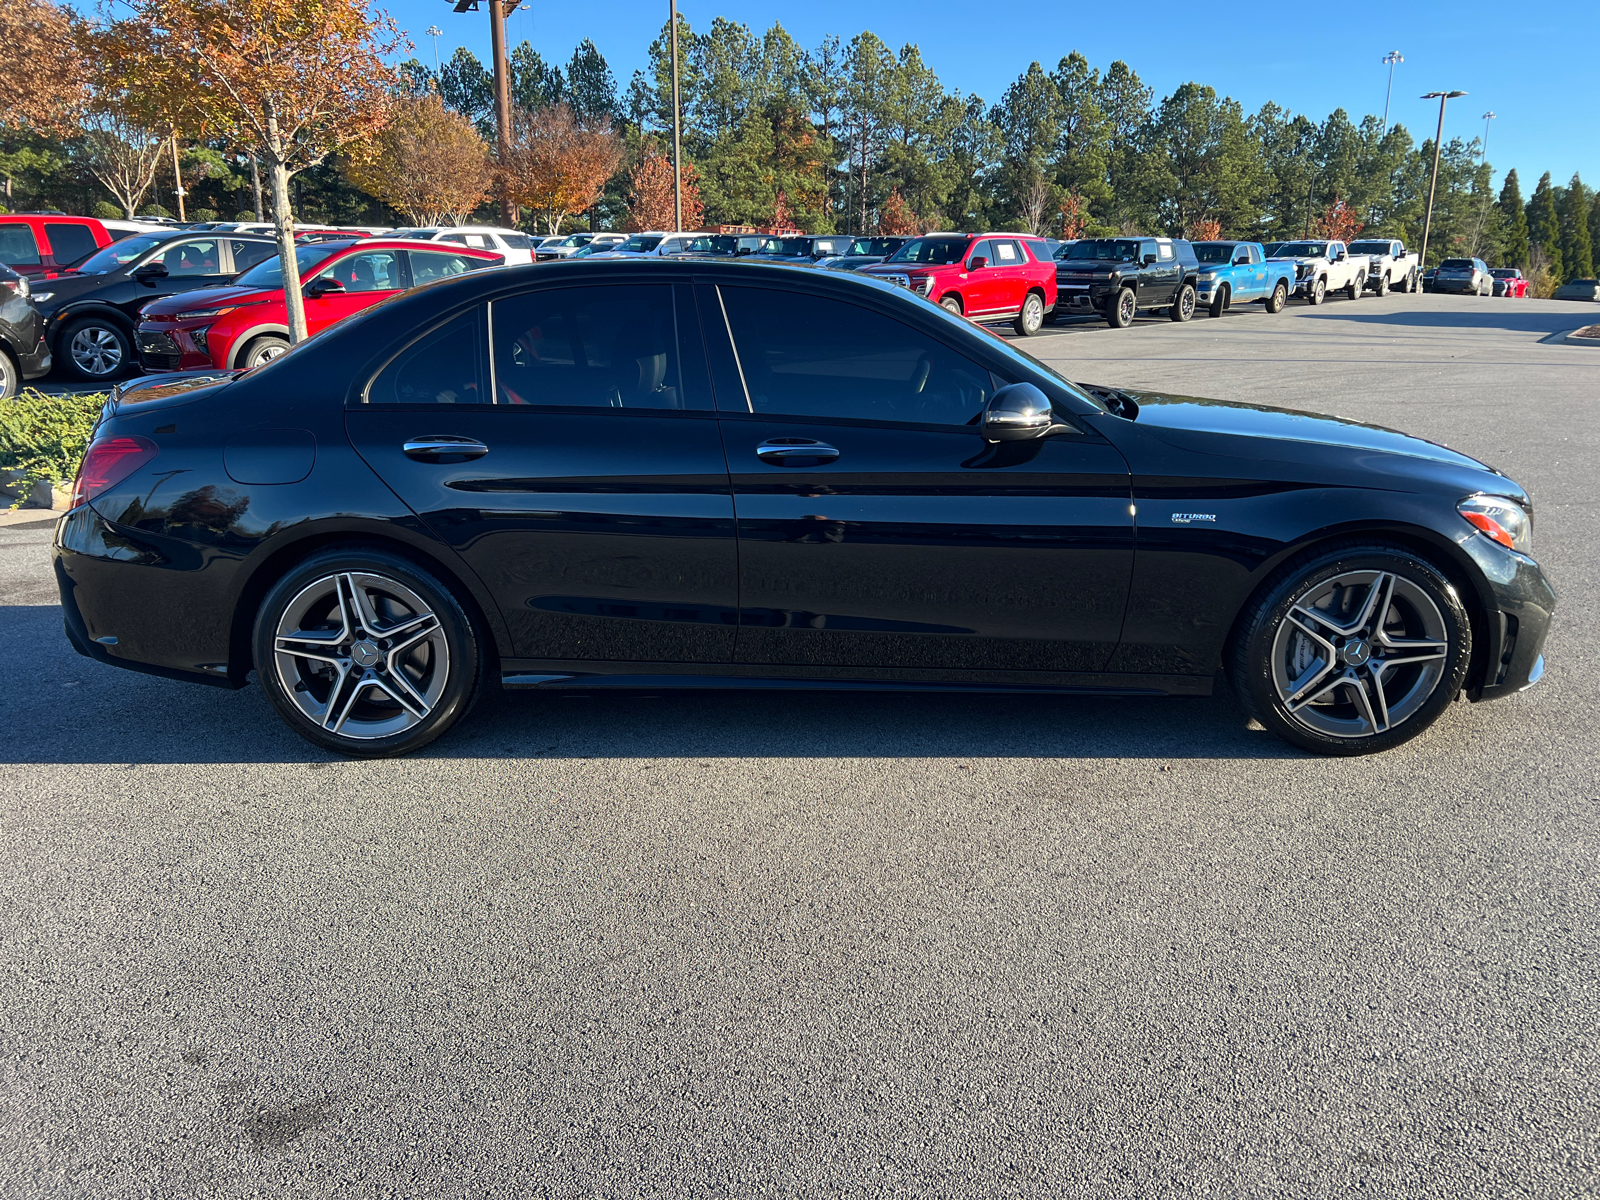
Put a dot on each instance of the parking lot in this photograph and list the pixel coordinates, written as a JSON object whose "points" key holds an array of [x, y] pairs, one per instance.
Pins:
{"points": [[760, 944]]}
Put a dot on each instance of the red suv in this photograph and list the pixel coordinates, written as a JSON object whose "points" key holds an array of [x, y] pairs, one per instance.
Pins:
{"points": [[985, 276], [246, 324], [40, 244]]}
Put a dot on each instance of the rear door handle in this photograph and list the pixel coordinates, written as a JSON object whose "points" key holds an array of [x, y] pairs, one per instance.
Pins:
{"points": [[444, 448], [795, 452]]}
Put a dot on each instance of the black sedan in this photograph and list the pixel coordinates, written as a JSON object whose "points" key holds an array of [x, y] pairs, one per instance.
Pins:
{"points": [[91, 312], [690, 474], [24, 354]]}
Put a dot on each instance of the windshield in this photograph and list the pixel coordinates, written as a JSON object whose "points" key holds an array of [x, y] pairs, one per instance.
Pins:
{"points": [[120, 253], [862, 247], [1301, 250], [1369, 247], [269, 274], [640, 243], [937, 252], [790, 247], [1214, 252], [1104, 250], [706, 243]]}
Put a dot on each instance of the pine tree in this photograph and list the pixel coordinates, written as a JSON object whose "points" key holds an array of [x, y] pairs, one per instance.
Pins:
{"points": [[1577, 252], [1544, 225], [1515, 253]]}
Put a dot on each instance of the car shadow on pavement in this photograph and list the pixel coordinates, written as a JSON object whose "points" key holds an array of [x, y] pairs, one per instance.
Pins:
{"points": [[81, 711], [1502, 317]]}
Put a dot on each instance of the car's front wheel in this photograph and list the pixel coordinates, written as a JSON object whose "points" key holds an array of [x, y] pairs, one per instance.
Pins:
{"points": [[1318, 292], [95, 349], [1355, 287], [1031, 319], [1219, 300], [263, 350], [10, 377], [365, 653], [1352, 649], [1382, 288], [1123, 306]]}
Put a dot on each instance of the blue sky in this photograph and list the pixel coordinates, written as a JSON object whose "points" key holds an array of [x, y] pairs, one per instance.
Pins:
{"points": [[1546, 115]]}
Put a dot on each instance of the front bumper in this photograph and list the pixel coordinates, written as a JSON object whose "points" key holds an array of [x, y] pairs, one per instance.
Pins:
{"points": [[1524, 603], [1081, 297], [36, 362], [170, 349]]}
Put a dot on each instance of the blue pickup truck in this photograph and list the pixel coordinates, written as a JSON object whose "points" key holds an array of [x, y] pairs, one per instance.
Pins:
{"points": [[1241, 272]]}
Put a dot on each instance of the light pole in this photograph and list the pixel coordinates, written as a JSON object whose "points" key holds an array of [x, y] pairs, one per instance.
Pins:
{"points": [[499, 10], [1427, 224], [1487, 117], [677, 127], [435, 33], [1390, 59]]}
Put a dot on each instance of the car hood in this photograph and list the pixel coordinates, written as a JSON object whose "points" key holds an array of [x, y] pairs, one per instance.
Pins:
{"points": [[69, 285], [1171, 418], [211, 297]]}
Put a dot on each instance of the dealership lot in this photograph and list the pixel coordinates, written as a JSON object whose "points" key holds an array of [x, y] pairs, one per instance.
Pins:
{"points": [[767, 944]]}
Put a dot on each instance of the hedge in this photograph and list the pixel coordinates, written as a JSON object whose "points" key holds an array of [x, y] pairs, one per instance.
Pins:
{"points": [[44, 437]]}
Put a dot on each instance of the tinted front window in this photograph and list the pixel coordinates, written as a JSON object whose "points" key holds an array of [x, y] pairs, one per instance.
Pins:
{"points": [[442, 367], [809, 356], [202, 257], [374, 271], [1369, 247], [641, 243], [615, 346], [69, 243], [937, 252], [269, 274], [1214, 252], [1301, 250], [1104, 250], [118, 254]]}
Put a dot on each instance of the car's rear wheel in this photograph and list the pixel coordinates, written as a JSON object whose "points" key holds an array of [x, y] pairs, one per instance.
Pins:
{"points": [[1123, 306], [951, 303], [263, 350], [1031, 318], [1219, 300], [1183, 304], [365, 653], [95, 349], [1279, 299], [1355, 287], [1352, 649]]}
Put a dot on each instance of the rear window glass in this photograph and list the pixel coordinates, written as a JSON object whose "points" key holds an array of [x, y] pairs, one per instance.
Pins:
{"points": [[17, 245], [69, 243], [1457, 263], [517, 241]]}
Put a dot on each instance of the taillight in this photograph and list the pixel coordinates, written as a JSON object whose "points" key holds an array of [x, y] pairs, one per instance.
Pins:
{"points": [[108, 462]]}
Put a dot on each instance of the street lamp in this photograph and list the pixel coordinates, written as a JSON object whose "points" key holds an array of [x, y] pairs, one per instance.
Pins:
{"points": [[1389, 60], [1487, 117], [435, 33], [677, 126], [499, 10], [1427, 225]]}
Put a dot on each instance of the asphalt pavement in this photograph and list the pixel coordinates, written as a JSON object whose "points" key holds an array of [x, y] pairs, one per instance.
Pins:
{"points": [[762, 945]]}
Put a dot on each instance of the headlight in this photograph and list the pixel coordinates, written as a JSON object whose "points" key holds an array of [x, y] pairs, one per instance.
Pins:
{"points": [[195, 314], [1500, 520], [38, 297], [1207, 276], [199, 336]]}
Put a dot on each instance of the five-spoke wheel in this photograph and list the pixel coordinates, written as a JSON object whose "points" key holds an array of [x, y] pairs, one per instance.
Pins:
{"points": [[1353, 651], [365, 653]]}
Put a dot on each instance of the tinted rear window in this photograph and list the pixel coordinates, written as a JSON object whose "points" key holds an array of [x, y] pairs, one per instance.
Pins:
{"points": [[69, 243], [1453, 264]]}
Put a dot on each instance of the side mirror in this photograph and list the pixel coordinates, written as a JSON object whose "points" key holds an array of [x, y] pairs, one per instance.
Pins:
{"points": [[1242, 261], [1149, 260], [323, 286], [1015, 413], [978, 263], [151, 271], [1342, 256]]}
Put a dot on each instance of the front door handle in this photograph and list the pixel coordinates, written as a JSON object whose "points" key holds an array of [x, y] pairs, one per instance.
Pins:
{"points": [[444, 448], [795, 452]]}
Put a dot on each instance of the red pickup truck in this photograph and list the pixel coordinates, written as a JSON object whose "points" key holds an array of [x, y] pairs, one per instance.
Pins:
{"points": [[984, 276]]}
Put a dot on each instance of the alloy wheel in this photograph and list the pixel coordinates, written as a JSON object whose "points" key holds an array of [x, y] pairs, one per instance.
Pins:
{"points": [[1358, 654], [96, 351], [266, 352], [1125, 307], [361, 655]]}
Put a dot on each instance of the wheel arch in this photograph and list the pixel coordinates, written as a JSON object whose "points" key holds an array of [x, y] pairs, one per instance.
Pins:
{"points": [[88, 308], [242, 341], [285, 556], [1457, 566]]}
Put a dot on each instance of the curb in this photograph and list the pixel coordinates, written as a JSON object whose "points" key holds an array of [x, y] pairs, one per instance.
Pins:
{"points": [[43, 494], [1578, 338]]}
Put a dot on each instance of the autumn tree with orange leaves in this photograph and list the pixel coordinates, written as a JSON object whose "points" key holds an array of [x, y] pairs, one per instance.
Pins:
{"points": [[429, 162], [1337, 222], [895, 218], [650, 195], [288, 81], [43, 71], [558, 165]]}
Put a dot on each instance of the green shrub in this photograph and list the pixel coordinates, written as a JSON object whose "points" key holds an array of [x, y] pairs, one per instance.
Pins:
{"points": [[44, 437], [107, 211], [202, 214]]}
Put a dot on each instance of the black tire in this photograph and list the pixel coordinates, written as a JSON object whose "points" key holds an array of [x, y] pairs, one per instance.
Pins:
{"points": [[1279, 300], [1182, 304], [395, 705], [94, 349], [263, 350], [1219, 300], [1316, 690], [1317, 293], [951, 303], [1382, 289], [1124, 307], [1031, 319], [10, 376], [1355, 287]]}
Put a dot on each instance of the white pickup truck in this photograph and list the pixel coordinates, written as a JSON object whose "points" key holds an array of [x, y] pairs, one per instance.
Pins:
{"points": [[1321, 267], [1388, 265]]}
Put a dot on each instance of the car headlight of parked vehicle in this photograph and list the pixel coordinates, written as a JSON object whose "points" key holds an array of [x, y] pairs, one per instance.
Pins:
{"points": [[1500, 520], [196, 314], [1208, 276]]}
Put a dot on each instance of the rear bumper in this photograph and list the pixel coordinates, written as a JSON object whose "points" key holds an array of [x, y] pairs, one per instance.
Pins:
{"points": [[35, 362]]}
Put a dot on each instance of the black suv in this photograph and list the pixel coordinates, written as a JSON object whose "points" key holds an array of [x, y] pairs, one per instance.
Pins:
{"points": [[1117, 277], [24, 354], [92, 311]]}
